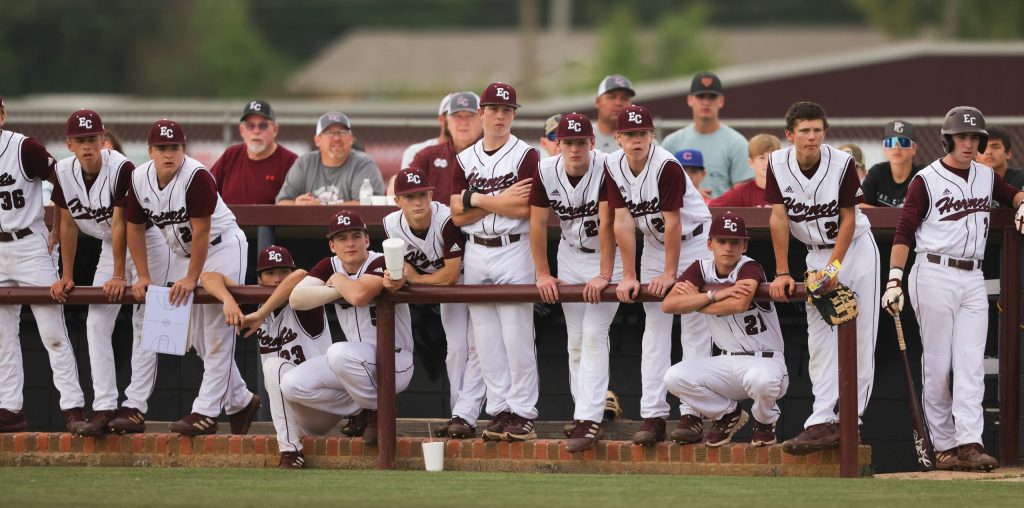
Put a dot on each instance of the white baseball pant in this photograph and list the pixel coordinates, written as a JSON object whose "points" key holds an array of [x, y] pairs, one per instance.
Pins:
{"points": [[465, 381], [26, 262], [656, 350], [860, 272], [952, 309], [504, 332], [714, 386], [297, 396]]}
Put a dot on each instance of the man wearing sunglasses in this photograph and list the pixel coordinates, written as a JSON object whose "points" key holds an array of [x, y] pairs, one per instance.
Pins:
{"points": [[548, 145], [252, 172], [886, 183]]}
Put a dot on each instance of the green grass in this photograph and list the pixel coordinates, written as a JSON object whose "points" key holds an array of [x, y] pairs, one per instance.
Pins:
{"points": [[153, 487]]}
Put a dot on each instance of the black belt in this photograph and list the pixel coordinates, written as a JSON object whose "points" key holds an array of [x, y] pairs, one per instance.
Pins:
{"points": [[959, 264], [696, 231], [495, 241], [215, 241], [820, 246], [586, 250], [762, 354], [17, 235]]}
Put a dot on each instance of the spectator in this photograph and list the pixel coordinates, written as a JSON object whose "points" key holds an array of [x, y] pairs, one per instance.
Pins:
{"points": [[464, 128], [886, 183], [332, 174], [614, 93], [112, 142], [724, 149], [751, 193], [252, 172], [442, 112], [692, 162], [858, 158], [997, 154], [548, 145]]}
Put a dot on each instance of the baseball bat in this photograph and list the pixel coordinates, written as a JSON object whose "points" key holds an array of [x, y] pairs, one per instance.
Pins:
{"points": [[922, 440]]}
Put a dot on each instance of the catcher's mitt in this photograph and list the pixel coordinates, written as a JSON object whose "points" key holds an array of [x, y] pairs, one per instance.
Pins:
{"points": [[837, 306], [612, 408]]}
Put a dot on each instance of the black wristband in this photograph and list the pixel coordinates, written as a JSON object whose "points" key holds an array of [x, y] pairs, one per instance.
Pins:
{"points": [[467, 199], [781, 274]]}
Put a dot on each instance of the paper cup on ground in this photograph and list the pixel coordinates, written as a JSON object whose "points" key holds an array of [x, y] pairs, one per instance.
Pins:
{"points": [[380, 201], [433, 456], [394, 256]]}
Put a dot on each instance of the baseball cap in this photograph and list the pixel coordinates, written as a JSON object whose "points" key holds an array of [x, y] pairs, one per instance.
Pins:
{"points": [[274, 256], [634, 118], [84, 122], [899, 128], [257, 107], [855, 151], [615, 82], [344, 221], [411, 180], [463, 101], [443, 108], [551, 124], [499, 94], [690, 158], [166, 132], [728, 225], [706, 82], [574, 126], [332, 118]]}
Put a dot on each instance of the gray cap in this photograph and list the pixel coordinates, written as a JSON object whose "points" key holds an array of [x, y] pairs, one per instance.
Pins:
{"points": [[443, 108], [615, 82], [331, 118], [463, 101], [900, 128]]}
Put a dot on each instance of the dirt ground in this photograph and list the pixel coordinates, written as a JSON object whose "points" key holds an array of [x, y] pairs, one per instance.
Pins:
{"points": [[1009, 474]]}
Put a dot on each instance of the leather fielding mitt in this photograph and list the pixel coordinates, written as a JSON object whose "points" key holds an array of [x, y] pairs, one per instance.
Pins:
{"points": [[837, 306], [612, 407]]}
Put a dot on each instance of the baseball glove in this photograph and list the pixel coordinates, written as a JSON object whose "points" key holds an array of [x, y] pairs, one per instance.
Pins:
{"points": [[837, 306], [612, 408]]}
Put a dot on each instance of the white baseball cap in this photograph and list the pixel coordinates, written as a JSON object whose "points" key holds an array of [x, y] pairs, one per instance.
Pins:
{"points": [[443, 108]]}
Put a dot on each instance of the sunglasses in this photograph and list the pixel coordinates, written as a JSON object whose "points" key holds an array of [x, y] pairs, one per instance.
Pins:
{"points": [[894, 141], [249, 126], [551, 135]]}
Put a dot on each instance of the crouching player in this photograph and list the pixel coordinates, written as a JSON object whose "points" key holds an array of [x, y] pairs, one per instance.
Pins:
{"points": [[751, 364]]}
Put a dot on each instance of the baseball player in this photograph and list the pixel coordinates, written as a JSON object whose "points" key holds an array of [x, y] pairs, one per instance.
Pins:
{"points": [[648, 190], [946, 216], [25, 260], [490, 201], [572, 186], [434, 249], [814, 190], [90, 195], [287, 337], [179, 196], [751, 364], [344, 382]]}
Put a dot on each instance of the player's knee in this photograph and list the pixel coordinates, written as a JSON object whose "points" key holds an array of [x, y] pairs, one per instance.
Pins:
{"points": [[291, 388], [678, 381], [272, 371], [759, 384]]}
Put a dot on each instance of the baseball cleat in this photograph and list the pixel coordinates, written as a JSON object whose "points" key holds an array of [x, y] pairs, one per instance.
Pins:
{"points": [[194, 424], [689, 430], [822, 436], [763, 434], [356, 425], [292, 460], [584, 436], [651, 432], [128, 421], [459, 428], [98, 424], [74, 418], [242, 420], [947, 460], [12, 421], [519, 429], [442, 430], [495, 430], [568, 428], [725, 427], [972, 457]]}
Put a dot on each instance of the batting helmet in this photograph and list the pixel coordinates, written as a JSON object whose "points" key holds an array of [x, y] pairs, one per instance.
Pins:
{"points": [[964, 120]]}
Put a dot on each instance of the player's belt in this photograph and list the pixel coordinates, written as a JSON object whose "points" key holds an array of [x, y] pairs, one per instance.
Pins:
{"points": [[959, 264], [696, 231], [496, 241], [17, 235], [820, 246], [586, 250], [762, 354], [214, 242]]}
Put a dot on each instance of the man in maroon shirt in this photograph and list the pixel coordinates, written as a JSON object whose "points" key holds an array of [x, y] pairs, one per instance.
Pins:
{"points": [[252, 172], [463, 129]]}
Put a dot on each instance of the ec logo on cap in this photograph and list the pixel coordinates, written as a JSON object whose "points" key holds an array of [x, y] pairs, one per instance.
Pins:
{"points": [[167, 132], [255, 106], [274, 256], [969, 119], [575, 126], [730, 225], [344, 220], [412, 178], [501, 92], [84, 122], [635, 118]]}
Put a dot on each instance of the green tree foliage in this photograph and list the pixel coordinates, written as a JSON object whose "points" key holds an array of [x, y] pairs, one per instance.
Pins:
{"points": [[898, 19], [951, 19], [678, 42], [618, 50]]}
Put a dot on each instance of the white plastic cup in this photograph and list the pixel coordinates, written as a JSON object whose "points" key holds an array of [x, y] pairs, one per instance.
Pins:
{"points": [[433, 455], [394, 257]]}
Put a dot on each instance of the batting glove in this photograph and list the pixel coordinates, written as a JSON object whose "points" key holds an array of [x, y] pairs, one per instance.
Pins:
{"points": [[892, 299], [1019, 219]]}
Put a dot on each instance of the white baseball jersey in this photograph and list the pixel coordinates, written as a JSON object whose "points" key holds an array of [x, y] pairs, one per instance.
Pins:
{"points": [[427, 254], [166, 207], [21, 196], [642, 195], [92, 208], [756, 329], [283, 335], [491, 174], [813, 204], [956, 222], [576, 206]]}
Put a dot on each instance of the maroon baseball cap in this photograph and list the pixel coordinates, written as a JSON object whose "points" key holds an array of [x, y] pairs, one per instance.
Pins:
{"points": [[574, 126], [634, 118], [166, 132], [274, 256], [344, 221], [728, 225], [499, 94], [411, 180], [84, 122]]}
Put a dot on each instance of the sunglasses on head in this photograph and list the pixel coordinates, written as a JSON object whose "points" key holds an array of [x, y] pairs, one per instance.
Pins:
{"points": [[551, 136], [254, 126], [894, 141]]}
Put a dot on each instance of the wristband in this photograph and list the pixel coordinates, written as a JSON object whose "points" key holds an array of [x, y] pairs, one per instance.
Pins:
{"points": [[609, 279], [896, 273], [467, 199], [711, 296], [781, 274], [118, 277]]}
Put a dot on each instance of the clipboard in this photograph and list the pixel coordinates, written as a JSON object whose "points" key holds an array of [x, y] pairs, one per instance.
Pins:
{"points": [[166, 328]]}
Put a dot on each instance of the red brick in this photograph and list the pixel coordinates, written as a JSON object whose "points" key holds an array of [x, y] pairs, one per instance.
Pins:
{"points": [[590, 454], [30, 441], [19, 442], [42, 442], [404, 448], [308, 443], [829, 456], [7, 442], [260, 445], [490, 450], [478, 449], [553, 453], [612, 451], [661, 452], [332, 446], [89, 446], [370, 451], [738, 454], [235, 445], [112, 443], [686, 454], [762, 455], [814, 458], [452, 448], [636, 453], [344, 447], [529, 450], [788, 459], [563, 452], [466, 447], [137, 443], [540, 450], [504, 450], [185, 446], [515, 451], [714, 456], [160, 443], [65, 443], [356, 446]]}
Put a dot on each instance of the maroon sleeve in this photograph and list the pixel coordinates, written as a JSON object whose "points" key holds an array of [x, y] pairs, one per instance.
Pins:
{"points": [[124, 181], [692, 274], [538, 194], [36, 160], [915, 206], [420, 159], [376, 267], [615, 199], [753, 271], [217, 169], [772, 193], [312, 320], [454, 241], [1003, 192], [133, 211], [528, 166], [671, 186], [57, 196], [459, 182], [201, 196], [322, 270], [850, 193]]}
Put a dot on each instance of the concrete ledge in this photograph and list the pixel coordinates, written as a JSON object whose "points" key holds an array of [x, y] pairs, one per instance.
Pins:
{"points": [[542, 455]]}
